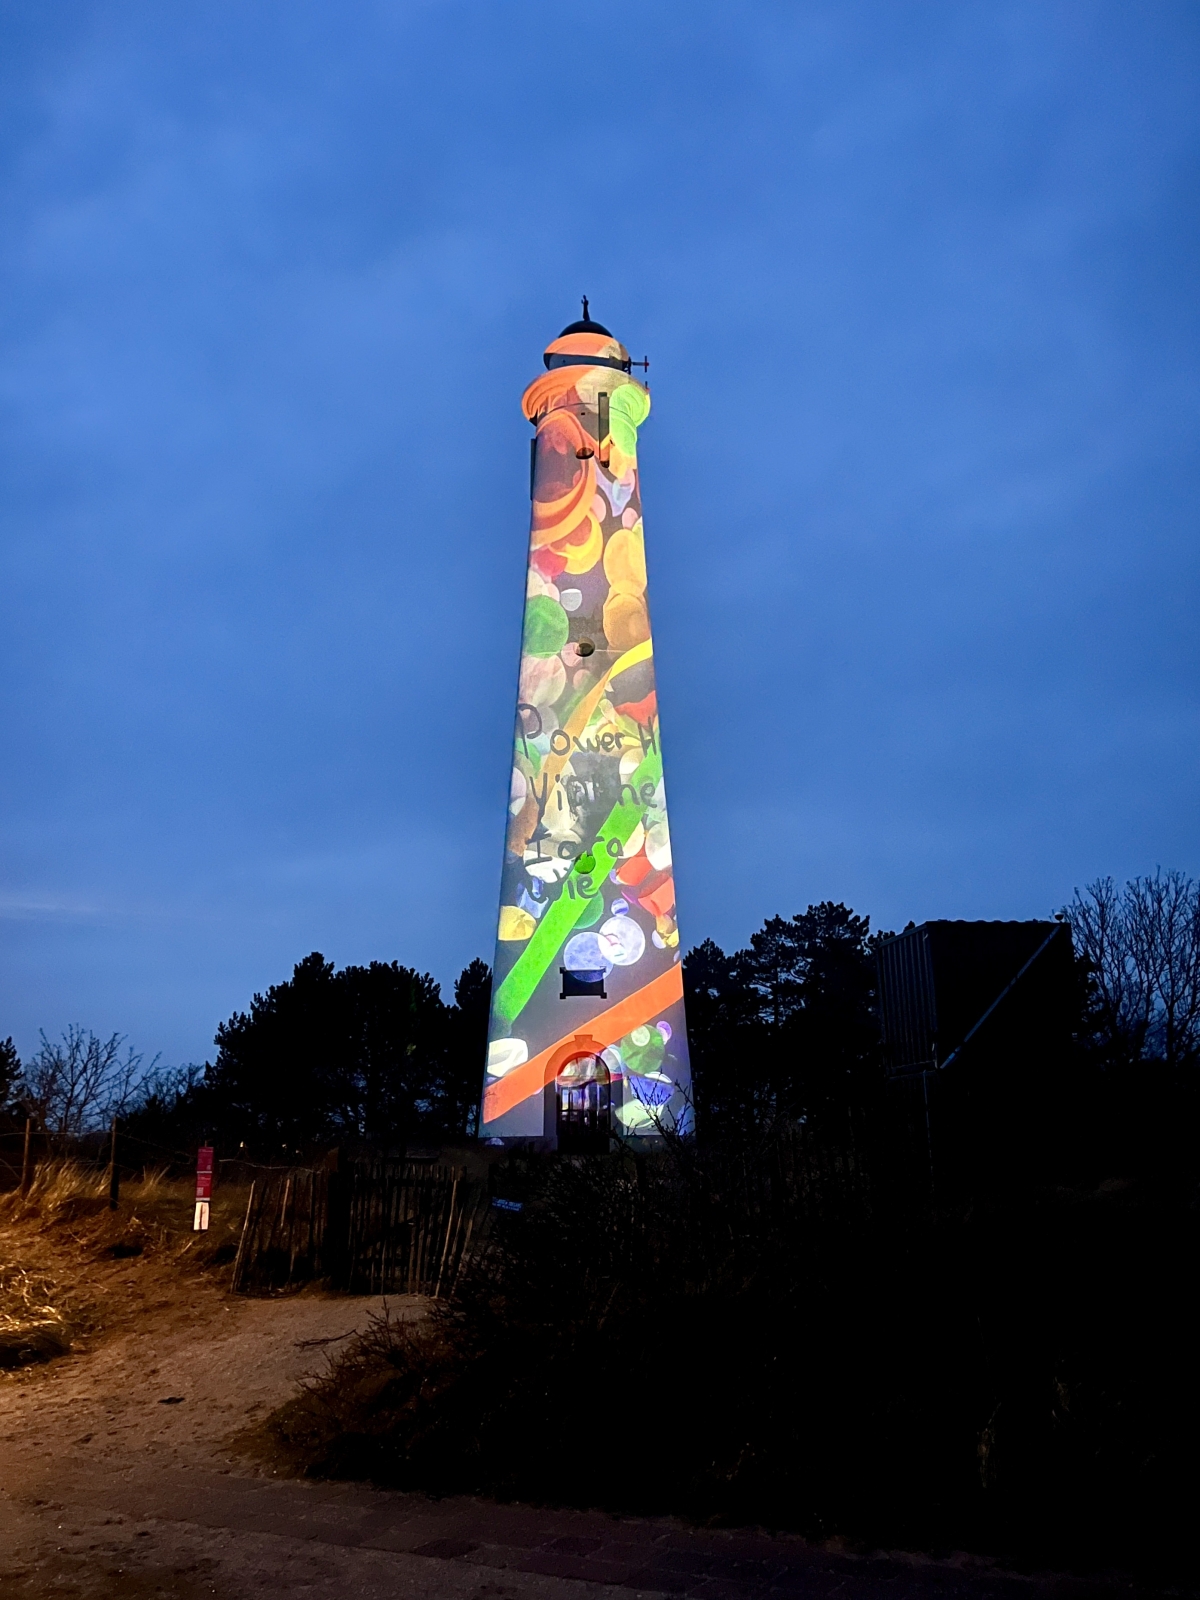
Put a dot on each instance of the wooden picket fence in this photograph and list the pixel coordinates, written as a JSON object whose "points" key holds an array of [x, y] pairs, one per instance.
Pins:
{"points": [[373, 1227], [410, 1227], [285, 1233]]}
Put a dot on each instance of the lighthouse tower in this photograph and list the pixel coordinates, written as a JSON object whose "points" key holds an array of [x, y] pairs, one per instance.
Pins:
{"points": [[587, 1041]]}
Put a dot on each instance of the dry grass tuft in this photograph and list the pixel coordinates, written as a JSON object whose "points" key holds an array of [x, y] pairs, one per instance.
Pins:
{"points": [[72, 1268], [69, 1202], [32, 1327], [57, 1188], [66, 1207], [153, 1183]]}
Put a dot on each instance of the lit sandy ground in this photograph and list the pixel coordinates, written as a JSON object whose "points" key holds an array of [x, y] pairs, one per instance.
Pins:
{"points": [[117, 1476]]}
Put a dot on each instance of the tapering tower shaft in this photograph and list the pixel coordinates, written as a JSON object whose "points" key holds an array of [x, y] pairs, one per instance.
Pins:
{"points": [[587, 1039]]}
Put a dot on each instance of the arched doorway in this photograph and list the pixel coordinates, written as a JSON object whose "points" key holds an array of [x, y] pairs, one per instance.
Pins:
{"points": [[582, 1100]]}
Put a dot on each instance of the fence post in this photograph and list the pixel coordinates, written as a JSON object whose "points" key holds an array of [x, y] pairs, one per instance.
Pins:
{"points": [[236, 1282], [335, 1232], [114, 1172], [26, 1175]]}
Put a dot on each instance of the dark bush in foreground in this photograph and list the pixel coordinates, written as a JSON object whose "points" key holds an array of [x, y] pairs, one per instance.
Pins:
{"points": [[757, 1340]]}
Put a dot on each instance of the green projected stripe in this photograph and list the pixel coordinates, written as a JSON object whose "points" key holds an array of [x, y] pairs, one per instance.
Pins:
{"points": [[558, 919]]}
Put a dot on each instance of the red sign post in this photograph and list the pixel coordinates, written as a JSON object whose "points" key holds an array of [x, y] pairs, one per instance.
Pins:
{"points": [[204, 1182]]}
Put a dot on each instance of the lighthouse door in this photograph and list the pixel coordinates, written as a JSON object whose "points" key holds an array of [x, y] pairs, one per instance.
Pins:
{"points": [[582, 1092]]}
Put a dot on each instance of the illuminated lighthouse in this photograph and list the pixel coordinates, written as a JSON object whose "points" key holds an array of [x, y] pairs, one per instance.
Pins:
{"points": [[587, 1041]]}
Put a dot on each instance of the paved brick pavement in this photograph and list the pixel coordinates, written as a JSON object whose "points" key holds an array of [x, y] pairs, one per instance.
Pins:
{"points": [[452, 1546]]}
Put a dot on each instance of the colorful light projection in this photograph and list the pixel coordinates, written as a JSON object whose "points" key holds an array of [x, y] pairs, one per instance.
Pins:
{"points": [[587, 1035]]}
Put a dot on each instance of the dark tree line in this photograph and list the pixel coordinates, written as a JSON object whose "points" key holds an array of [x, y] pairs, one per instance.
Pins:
{"points": [[787, 1030], [365, 1055], [783, 1031], [372, 1055]]}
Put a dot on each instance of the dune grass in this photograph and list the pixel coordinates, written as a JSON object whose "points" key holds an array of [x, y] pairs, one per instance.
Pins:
{"points": [[60, 1243], [55, 1186]]}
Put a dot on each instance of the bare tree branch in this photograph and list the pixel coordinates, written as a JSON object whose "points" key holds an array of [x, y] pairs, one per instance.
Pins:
{"points": [[80, 1082], [1142, 948]]}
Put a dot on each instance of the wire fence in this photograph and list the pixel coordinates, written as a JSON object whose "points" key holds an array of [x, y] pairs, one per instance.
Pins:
{"points": [[21, 1151]]}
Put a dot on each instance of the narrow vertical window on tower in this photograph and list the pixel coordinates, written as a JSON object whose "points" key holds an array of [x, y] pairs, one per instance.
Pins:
{"points": [[587, 1041]]}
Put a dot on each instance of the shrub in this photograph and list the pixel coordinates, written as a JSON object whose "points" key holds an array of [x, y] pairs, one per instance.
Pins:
{"points": [[756, 1338]]}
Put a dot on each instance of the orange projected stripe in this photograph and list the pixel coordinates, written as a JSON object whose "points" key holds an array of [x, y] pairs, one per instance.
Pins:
{"points": [[611, 1025]]}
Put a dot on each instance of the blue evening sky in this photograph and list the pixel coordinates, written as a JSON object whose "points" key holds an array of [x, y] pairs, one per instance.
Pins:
{"points": [[919, 286]]}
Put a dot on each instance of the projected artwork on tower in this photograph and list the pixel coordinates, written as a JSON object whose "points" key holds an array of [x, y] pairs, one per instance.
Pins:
{"points": [[587, 1039]]}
